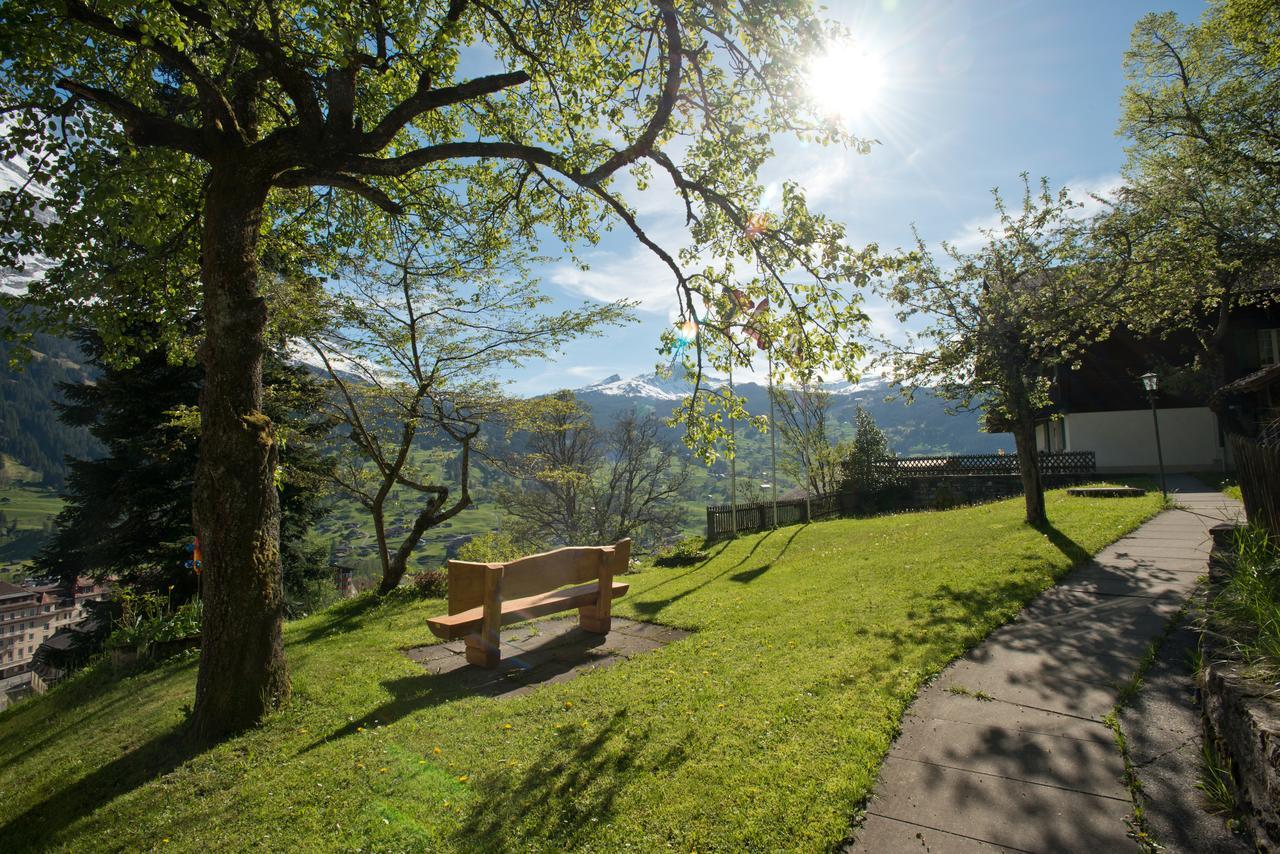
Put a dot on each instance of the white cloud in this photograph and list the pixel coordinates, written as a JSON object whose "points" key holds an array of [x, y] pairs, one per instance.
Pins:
{"points": [[638, 275]]}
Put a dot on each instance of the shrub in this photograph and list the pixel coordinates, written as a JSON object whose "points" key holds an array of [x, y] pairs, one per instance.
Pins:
{"points": [[685, 552], [495, 547], [147, 619], [431, 583], [1245, 611]]}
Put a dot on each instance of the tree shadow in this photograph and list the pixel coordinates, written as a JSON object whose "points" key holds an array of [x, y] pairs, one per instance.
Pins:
{"points": [[653, 607], [749, 575], [1072, 550], [569, 791], [36, 827], [520, 671], [343, 617]]}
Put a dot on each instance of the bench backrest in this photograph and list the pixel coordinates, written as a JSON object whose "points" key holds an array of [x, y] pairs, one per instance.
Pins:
{"points": [[538, 573]]}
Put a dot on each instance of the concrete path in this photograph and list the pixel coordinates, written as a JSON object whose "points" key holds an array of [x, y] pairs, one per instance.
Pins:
{"points": [[1006, 750]]}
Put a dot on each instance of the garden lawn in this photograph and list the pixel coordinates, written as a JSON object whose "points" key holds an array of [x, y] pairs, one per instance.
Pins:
{"points": [[763, 730]]}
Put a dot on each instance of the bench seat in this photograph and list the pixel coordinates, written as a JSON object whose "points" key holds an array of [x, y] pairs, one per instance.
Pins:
{"points": [[454, 626], [484, 597]]}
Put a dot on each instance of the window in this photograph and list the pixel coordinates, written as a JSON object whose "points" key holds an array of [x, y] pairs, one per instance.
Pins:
{"points": [[1268, 347]]}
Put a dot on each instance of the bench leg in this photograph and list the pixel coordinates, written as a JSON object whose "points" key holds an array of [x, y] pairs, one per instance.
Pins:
{"points": [[590, 620], [482, 648], [482, 651]]}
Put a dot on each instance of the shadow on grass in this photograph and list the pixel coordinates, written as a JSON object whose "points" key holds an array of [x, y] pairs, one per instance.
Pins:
{"points": [[749, 575], [569, 791], [1072, 550], [517, 673], [342, 617], [654, 607], [36, 828]]}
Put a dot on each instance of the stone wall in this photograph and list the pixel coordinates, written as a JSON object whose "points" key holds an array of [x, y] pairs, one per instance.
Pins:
{"points": [[946, 491], [1242, 719]]}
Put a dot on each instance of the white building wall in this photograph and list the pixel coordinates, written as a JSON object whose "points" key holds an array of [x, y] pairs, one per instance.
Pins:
{"points": [[1125, 440]]}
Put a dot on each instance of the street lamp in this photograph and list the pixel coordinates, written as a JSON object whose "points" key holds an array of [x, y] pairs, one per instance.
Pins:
{"points": [[1151, 383]]}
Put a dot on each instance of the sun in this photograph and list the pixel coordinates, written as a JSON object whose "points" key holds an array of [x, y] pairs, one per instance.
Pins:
{"points": [[846, 82]]}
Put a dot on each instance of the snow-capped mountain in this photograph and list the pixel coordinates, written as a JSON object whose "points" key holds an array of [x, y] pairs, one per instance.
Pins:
{"points": [[918, 428], [14, 174], [654, 387], [648, 386]]}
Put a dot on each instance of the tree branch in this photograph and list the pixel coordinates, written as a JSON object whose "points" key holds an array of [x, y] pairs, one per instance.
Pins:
{"points": [[141, 126], [426, 98], [315, 178]]}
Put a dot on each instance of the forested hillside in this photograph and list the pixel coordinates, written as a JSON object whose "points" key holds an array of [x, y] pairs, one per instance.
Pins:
{"points": [[30, 431]]}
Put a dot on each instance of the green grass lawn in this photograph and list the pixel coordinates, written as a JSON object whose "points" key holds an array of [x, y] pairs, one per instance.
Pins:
{"points": [[30, 507], [763, 730]]}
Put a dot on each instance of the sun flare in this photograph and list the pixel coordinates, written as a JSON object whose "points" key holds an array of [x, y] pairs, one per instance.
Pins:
{"points": [[846, 82]]}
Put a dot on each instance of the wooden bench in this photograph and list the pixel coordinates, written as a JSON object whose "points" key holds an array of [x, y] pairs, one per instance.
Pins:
{"points": [[484, 597]]}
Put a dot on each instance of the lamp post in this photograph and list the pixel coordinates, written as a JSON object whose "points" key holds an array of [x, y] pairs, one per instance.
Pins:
{"points": [[1151, 383]]}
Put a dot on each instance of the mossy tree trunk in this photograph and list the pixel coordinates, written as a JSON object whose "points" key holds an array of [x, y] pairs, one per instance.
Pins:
{"points": [[236, 508]]}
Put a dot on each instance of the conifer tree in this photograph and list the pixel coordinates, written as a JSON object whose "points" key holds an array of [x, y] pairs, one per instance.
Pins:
{"points": [[128, 513]]}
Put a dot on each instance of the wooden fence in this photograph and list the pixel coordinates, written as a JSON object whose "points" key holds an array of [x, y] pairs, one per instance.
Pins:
{"points": [[1258, 467], [759, 516], [959, 465]]}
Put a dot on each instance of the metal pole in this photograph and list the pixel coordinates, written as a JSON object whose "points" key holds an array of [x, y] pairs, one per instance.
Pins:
{"points": [[773, 440], [1155, 420], [733, 460]]}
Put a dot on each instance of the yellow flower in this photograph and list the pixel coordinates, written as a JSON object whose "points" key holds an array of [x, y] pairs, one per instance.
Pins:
{"points": [[382, 770], [506, 726], [359, 729], [435, 750], [462, 779], [568, 704]]}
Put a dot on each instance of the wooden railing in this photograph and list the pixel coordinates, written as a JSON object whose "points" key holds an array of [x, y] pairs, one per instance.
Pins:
{"points": [[1258, 467], [1062, 462], [759, 516]]}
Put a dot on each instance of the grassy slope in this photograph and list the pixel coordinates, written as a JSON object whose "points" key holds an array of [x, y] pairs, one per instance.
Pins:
{"points": [[762, 730], [30, 506]]}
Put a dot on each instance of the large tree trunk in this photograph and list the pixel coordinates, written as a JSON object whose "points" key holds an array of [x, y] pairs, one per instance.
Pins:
{"points": [[1024, 439], [237, 512]]}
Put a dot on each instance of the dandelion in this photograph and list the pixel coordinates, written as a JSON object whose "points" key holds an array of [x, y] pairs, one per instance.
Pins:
{"points": [[359, 729], [506, 726], [462, 778], [568, 704], [382, 770], [435, 750]]}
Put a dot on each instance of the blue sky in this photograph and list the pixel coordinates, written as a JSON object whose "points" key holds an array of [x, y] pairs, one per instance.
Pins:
{"points": [[973, 94]]}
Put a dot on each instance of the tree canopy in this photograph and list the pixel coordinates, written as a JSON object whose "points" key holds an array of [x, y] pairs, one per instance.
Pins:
{"points": [[1198, 219], [175, 142]]}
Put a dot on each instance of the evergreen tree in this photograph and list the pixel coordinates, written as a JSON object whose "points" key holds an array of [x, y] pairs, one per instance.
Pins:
{"points": [[128, 513], [859, 470]]}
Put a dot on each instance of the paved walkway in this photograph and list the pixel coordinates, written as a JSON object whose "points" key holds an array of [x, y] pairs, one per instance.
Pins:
{"points": [[1006, 750]]}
